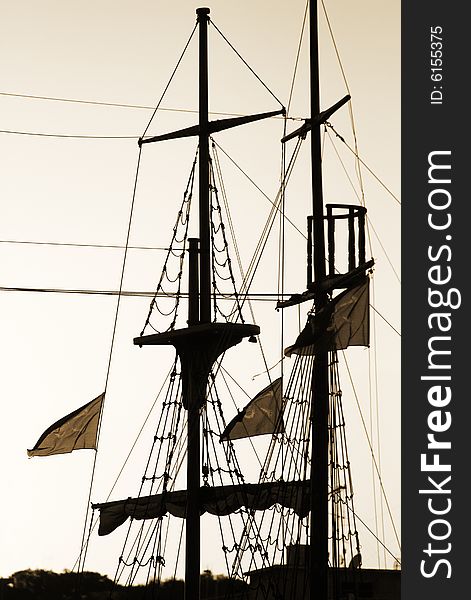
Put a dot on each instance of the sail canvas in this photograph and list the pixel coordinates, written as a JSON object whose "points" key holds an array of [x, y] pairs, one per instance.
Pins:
{"points": [[219, 500], [261, 415], [343, 322], [75, 431]]}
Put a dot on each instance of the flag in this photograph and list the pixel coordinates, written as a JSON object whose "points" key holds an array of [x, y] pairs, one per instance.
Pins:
{"points": [[75, 431], [343, 322], [261, 415]]}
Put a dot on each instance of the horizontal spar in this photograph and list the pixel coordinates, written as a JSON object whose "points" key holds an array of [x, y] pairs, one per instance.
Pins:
{"points": [[213, 127]]}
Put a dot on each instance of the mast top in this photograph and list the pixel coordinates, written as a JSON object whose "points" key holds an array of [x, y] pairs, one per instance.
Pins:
{"points": [[201, 12]]}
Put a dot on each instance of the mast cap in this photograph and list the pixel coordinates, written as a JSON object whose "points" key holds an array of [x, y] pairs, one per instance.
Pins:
{"points": [[203, 11]]}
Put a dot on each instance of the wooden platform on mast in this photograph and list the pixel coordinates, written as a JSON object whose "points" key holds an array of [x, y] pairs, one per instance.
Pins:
{"points": [[198, 347], [330, 283], [233, 333]]}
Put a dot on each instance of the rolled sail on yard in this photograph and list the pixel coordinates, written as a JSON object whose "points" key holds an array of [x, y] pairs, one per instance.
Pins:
{"points": [[221, 500]]}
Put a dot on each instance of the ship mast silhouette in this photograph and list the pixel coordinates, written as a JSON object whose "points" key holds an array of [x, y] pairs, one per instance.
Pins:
{"points": [[202, 342], [319, 554], [333, 323], [316, 289]]}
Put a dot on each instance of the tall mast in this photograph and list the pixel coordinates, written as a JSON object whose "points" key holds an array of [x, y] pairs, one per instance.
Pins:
{"points": [[319, 287], [320, 385], [193, 525], [201, 343], [203, 169]]}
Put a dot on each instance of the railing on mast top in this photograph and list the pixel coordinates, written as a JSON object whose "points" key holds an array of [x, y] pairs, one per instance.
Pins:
{"points": [[354, 233]]}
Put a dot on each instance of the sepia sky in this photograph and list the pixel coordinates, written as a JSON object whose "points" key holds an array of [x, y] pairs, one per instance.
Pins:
{"points": [[66, 177]]}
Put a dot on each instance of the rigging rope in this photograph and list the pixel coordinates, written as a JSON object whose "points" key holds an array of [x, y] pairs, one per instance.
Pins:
{"points": [[372, 451], [297, 399], [183, 220], [245, 62], [234, 243], [81, 562], [141, 538], [216, 209], [272, 202], [364, 164], [370, 224], [371, 431], [94, 523], [275, 205], [142, 541], [378, 432], [170, 80], [297, 59], [350, 104], [225, 372], [248, 280], [362, 201]]}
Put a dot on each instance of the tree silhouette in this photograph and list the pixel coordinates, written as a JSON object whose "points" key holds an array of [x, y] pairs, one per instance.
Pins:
{"points": [[39, 584]]}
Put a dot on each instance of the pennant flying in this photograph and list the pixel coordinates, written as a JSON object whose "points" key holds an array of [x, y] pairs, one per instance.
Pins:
{"points": [[261, 415], [75, 431], [343, 322]]}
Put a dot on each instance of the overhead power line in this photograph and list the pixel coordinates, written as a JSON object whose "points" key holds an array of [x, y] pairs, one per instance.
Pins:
{"points": [[107, 104], [266, 297], [111, 104], [134, 106], [76, 101], [77, 245], [255, 296], [76, 136]]}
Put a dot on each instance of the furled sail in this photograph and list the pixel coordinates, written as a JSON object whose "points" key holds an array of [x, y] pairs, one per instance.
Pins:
{"points": [[221, 500]]}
